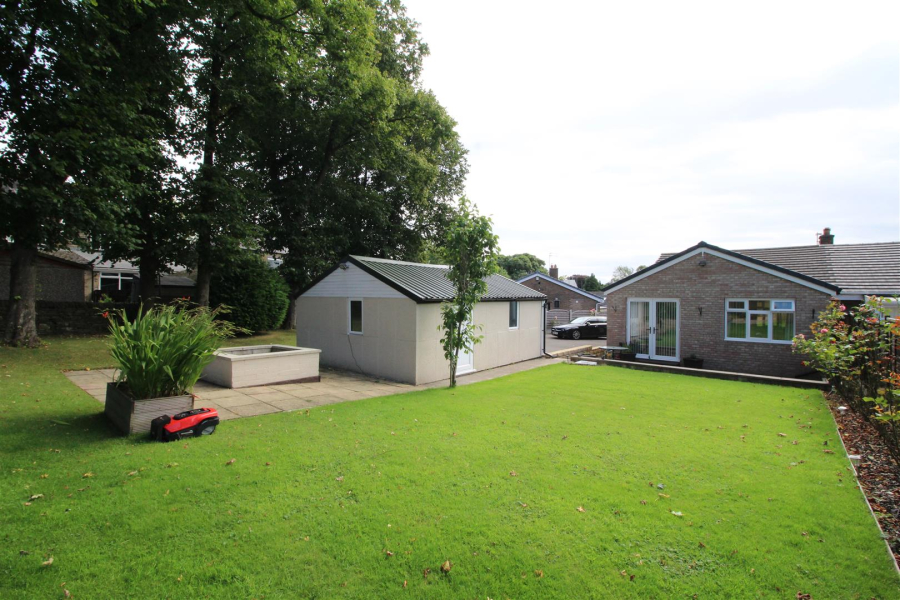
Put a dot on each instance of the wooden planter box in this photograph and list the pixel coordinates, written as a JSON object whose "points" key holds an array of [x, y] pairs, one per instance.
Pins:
{"points": [[134, 416]]}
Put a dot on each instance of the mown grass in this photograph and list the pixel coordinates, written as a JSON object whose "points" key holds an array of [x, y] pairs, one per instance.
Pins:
{"points": [[489, 476]]}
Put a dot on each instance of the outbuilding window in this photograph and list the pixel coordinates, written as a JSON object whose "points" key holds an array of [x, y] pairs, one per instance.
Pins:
{"points": [[556, 303], [513, 315], [759, 320], [356, 317]]}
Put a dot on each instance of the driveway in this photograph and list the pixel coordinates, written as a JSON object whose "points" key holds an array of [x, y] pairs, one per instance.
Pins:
{"points": [[554, 344]]}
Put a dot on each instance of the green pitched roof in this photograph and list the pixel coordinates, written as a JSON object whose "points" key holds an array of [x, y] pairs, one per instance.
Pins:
{"points": [[429, 283]]}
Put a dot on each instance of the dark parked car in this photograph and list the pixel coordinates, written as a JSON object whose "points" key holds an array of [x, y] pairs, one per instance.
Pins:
{"points": [[582, 327]]}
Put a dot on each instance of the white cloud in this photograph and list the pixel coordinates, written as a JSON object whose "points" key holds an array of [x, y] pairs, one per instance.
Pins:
{"points": [[608, 132]]}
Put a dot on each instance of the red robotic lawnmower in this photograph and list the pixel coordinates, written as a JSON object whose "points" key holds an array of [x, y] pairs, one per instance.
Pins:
{"points": [[191, 423]]}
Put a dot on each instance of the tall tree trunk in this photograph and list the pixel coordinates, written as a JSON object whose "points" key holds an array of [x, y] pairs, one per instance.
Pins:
{"points": [[207, 200], [203, 277], [291, 317], [149, 271], [21, 322]]}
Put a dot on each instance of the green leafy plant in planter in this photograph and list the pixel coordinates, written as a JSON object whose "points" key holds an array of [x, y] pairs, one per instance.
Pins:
{"points": [[159, 356]]}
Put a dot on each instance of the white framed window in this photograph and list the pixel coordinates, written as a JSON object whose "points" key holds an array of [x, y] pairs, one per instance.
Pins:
{"points": [[753, 320], [115, 281], [514, 315], [355, 316]]}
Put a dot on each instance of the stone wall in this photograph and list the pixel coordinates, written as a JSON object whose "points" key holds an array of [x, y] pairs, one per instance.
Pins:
{"points": [[56, 281], [73, 318]]}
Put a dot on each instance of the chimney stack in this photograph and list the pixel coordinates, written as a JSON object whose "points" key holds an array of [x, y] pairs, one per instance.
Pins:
{"points": [[554, 271], [826, 237]]}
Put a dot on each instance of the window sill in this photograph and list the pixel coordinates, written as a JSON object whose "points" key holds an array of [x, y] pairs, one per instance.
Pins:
{"points": [[761, 341]]}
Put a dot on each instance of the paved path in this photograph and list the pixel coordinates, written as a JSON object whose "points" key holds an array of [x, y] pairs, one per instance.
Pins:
{"points": [[554, 344], [335, 386]]}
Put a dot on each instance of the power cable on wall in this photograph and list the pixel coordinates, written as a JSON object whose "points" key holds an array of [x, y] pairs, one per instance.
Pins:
{"points": [[349, 343]]}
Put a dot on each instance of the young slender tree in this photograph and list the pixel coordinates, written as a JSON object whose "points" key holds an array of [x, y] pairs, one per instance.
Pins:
{"points": [[471, 251]]}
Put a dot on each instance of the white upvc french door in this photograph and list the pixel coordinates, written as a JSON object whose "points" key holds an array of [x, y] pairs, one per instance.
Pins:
{"points": [[653, 328]]}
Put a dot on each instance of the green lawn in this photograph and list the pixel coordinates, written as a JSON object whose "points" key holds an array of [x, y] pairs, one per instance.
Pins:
{"points": [[489, 476]]}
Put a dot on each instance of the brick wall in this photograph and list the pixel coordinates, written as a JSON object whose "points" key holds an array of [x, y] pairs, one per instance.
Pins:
{"points": [[568, 300], [704, 334]]}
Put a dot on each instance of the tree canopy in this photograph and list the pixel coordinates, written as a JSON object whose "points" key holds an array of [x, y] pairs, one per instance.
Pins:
{"points": [[517, 266], [186, 131]]}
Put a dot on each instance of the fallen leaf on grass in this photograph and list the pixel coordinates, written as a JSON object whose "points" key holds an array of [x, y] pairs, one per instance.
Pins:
{"points": [[513, 474], [677, 513], [802, 596], [47, 562], [445, 568], [661, 495], [44, 476], [643, 502], [87, 475], [782, 435], [425, 572], [132, 473], [339, 478], [538, 574], [404, 584], [388, 553], [230, 462], [580, 509], [36, 497]]}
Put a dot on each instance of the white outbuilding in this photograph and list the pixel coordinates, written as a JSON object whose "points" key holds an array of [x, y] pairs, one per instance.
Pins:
{"points": [[382, 318]]}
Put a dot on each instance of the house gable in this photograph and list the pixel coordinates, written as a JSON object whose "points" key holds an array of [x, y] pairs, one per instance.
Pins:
{"points": [[352, 282], [702, 249]]}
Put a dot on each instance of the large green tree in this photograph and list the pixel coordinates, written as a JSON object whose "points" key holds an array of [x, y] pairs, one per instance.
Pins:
{"points": [[152, 66], [61, 153], [356, 156], [517, 266]]}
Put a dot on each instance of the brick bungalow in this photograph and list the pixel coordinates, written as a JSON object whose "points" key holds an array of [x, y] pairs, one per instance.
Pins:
{"points": [[739, 310], [561, 295]]}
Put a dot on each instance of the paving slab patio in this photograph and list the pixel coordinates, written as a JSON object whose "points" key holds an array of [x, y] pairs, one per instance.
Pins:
{"points": [[335, 386]]}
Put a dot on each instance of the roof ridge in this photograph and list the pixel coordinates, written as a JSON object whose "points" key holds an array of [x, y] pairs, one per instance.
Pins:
{"points": [[398, 262]]}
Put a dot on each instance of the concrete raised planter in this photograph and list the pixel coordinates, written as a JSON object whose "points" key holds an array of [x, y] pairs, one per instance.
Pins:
{"points": [[134, 416], [248, 366]]}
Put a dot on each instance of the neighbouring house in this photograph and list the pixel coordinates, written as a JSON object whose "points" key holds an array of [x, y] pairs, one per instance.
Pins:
{"points": [[62, 276], [383, 318], [739, 310], [562, 295], [120, 280]]}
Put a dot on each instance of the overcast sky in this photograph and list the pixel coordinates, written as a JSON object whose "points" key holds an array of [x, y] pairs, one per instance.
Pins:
{"points": [[607, 133]]}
